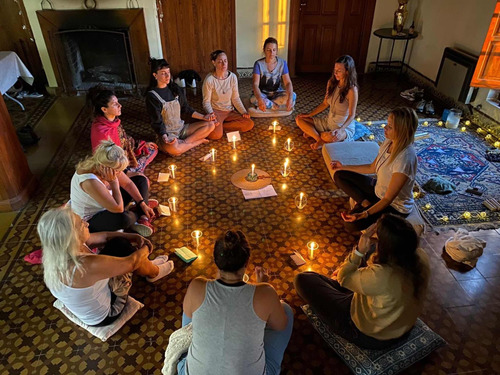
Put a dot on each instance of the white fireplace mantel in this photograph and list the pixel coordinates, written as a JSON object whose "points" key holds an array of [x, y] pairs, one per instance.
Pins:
{"points": [[152, 26]]}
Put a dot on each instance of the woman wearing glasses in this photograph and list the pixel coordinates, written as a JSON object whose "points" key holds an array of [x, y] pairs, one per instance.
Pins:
{"points": [[342, 98]]}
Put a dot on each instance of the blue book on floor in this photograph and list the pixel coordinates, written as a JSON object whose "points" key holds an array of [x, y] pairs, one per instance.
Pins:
{"points": [[185, 254]]}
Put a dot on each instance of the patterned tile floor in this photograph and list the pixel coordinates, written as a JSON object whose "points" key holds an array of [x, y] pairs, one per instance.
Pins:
{"points": [[461, 306]]}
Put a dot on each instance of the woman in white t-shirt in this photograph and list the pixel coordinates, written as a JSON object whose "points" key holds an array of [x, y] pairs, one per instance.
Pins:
{"points": [[395, 168]]}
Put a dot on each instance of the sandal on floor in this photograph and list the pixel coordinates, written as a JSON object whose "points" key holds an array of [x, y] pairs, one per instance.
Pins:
{"points": [[165, 267]]}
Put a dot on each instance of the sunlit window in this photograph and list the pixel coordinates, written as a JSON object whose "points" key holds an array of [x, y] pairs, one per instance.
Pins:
{"points": [[274, 19]]}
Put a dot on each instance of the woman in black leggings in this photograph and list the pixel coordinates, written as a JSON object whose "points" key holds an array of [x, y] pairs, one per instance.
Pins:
{"points": [[391, 191]]}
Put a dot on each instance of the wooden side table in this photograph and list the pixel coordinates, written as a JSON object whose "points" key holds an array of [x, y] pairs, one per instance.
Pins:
{"points": [[387, 34]]}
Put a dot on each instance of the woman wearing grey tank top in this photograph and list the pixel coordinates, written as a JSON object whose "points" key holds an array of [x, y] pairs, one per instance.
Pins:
{"points": [[238, 328]]}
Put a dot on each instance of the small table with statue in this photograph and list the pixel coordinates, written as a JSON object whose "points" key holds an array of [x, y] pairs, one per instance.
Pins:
{"points": [[388, 34]]}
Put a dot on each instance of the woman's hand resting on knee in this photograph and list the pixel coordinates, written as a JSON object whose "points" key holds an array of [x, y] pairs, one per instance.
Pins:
{"points": [[336, 165]]}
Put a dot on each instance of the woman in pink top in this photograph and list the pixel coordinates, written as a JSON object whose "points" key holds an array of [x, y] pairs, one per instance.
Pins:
{"points": [[106, 125]]}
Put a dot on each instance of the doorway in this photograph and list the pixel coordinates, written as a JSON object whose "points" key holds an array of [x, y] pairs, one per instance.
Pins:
{"points": [[323, 30]]}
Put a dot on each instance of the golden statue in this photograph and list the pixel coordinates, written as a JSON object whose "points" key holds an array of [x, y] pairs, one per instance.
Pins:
{"points": [[400, 17]]}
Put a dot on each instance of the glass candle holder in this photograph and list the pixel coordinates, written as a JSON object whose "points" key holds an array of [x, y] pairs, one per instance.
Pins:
{"points": [[301, 200], [285, 169], [172, 168], [196, 235], [234, 142], [311, 248], [213, 154], [173, 203], [289, 144]]}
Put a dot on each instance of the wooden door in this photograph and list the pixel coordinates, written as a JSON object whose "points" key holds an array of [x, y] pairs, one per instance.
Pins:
{"points": [[328, 29], [191, 29], [487, 73]]}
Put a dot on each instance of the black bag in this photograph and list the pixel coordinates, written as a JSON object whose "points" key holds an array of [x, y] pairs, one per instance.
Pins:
{"points": [[27, 136]]}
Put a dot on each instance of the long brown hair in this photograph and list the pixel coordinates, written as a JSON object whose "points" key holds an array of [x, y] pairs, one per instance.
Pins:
{"points": [[397, 245], [351, 79], [405, 122]]}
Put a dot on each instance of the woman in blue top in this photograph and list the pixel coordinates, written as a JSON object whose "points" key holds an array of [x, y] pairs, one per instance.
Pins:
{"points": [[267, 74]]}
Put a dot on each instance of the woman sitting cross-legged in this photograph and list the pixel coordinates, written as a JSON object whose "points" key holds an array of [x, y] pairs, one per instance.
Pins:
{"points": [[395, 168], [342, 98], [238, 328], [100, 191], [221, 97], [268, 72], [106, 125], [376, 305], [94, 287], [164, 102]]}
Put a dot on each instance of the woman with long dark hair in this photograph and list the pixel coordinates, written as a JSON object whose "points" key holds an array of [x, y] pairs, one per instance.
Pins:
{"points": [[395, 167], [238, 328], [342, 98], [375, 305], [221, 98], [165, 102]]}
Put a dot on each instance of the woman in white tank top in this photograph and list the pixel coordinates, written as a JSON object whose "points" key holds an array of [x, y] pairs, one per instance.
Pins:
{"points": [[93, 287], [342, 98], [238, 328]]}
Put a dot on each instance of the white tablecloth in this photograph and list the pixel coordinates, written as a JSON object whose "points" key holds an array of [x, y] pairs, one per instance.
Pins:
{"points": [[11, 67]]}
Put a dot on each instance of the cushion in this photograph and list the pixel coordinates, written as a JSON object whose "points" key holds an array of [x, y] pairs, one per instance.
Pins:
{"points": [[350, 153], [421, 342], [255, 112], [105, 332]]}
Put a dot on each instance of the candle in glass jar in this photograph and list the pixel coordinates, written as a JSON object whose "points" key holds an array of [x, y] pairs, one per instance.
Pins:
{"points": [[288, 141], [253, 169], [172, 170], [312, 246], [301, 195], [212, 151], [234, 141], [274, 126]]}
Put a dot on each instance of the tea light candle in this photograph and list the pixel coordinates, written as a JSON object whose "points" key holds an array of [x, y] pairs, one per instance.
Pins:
{"points": [[416, 194], [358, 119], [286, 171], [253, 169], [483, 215], [463, 129], [212, 151], [488, 137], [479, 130], [440, 123], [234, 141], [371, 136], [428, 206], [382, 126], [173, 203], [369, 123], [497, 144], [426, 123], [312, 246], [274, 126], [172, 168], [467, 122], [445, 218], [467, 215]]}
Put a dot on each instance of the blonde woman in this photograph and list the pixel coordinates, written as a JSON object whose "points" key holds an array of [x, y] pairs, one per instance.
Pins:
{"points": [[100, 191], [395, 166], [93, 287]]}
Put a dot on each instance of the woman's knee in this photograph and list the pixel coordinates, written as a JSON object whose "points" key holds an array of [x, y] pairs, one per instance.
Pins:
{"points": [[302, 281], [216, 133], [248, 125]]}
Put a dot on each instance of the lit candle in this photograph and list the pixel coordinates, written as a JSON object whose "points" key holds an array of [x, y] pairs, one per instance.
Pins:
{"points": [[416, 194], [285, 167], [196, 234], [440, 123], [274, 126], [466, 215], [234, 141], [463, 129], [253, 169], [358, 119], [172, 201], [479, 130], [172, 170], [488, 137], [497, 144], [371, 136], [483, 215], [467, 122], [288, 141], [428, 206], [213, 154], [369, 123], [445, 218], [312, 246], [426, 123], [382, 126], [301, 198]]}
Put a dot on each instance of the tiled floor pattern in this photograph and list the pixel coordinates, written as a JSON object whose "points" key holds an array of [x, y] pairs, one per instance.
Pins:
{"points": [[461, 306]]}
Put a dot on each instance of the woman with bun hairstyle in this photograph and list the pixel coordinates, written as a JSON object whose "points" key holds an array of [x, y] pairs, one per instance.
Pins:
{"points": [[165, 102], [238, 328]]}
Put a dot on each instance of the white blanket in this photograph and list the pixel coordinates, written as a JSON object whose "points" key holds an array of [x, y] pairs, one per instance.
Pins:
{"points": [[11, 67]]}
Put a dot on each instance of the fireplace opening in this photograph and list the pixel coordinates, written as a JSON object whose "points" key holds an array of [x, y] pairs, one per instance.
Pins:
{"points": [[97, 56]]}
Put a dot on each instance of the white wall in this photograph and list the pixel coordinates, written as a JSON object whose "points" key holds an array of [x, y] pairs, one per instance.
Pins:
{"points": [[152, 26], [440, 23], [250, 29]]}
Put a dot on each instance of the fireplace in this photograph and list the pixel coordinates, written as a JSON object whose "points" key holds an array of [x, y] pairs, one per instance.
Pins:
{"points": [[88, 47]]}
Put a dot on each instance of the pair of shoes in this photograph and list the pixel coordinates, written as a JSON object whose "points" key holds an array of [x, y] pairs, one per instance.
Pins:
{"points": [[425, 106], [26, 94], [143, 227], [165, 267], [412, 94]]}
